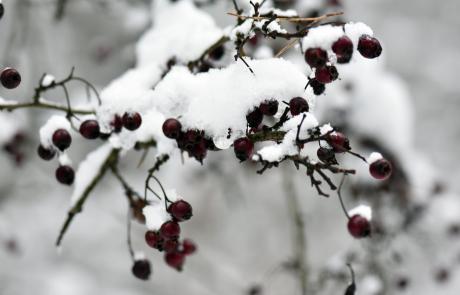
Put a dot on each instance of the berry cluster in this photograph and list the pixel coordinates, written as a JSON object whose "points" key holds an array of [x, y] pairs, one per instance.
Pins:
{"points": [[10, 78]]}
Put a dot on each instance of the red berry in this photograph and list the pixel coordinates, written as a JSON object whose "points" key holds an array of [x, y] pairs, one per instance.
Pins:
{"points": [[380, 169], [46, 154], [298, 105], [172, 128], [318, 88], [117, 123], [65, 174], [170, 230], [369, 47], [326, 155], [316, 57], [343, 48], [132, 121], [61, 139], [199, 151], [326, 74], [154, 239], [180, 210], [254, 118], [269, 108], [10, 78], [359, 227], [170, 246], [243, 148], [175, 260], [89, 129], [193, 136], [141, 269], [188, 247], [339, 142]]}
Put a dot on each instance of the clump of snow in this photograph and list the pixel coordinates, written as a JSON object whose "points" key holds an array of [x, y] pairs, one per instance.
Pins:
{"points": [[361, 210], [139, 255], [244, 30], [322, 37], [373, 157], [65, 160], [10, 127], [47, 80], [355, 30], [155, 215], [7, 102], [54, 123]]}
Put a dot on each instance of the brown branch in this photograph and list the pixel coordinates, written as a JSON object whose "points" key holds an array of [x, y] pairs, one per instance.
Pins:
{"points": [[287, 18], [43, 105]]}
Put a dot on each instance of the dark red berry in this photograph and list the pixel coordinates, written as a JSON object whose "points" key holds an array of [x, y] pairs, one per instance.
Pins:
{"points": [[10, 78], [318, 88], [243, 148], [61, 139], [132, 121], [343, 48], [339, 142], [193, 136], [326, 155], [117, 123], [298, 105], [154, 239], [316, 57], [45, 153], [199, 151], [359, 227], [188, 247], [254, 118], [326, 74], [175, 260], [141, 269], [269, 108], [170, 246], [369, 47], [89, 129], [380, 169], [170, 230], [180, 210], [65, 174], [172, 128], [217, 53]]}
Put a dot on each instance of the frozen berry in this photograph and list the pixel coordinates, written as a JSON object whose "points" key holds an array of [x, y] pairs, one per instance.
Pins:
{"points": [[132, 121], [269, 108], [175, 260], [89, 129], [343, 48], [180, 210], [154, 239], [217, 53], [316, 57], [326, 155], [298, 105], [170, 246], [243, 148], [141, 269], [172, 128], [117, 123], [46, 153], [61, 139], [318, 88], [10, 78], [65, 174], [170, 230], [369, 47], [188, 247], [380, 169], [326, 74], [339, 142], [254, 118], [359, 227]]}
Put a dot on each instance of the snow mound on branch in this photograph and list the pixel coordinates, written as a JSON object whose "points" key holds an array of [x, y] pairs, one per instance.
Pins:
{"points": [[155, 215]]}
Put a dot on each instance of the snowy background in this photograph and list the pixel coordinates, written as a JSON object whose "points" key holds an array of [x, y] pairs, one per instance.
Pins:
{"points": [[241, 219]]}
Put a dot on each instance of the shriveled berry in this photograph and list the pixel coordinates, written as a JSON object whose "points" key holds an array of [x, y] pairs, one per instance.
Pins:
{"points": [[89, 129], [46, 153], [243, 148], [343, 48], [380, 169], [254, 118], [269, 108], [65, 174], [369, 47], [170, 246], [10, 78], [117, 123], [359, 226], [316, 57], [132, 121], [326, 74], [61, 139], [172, 128], [154, 239], [188, 247], [298, 105], [181, 210], [326, 155], [175, 260], [141, 269], [339, 142], [170, 230], [199, 151]]}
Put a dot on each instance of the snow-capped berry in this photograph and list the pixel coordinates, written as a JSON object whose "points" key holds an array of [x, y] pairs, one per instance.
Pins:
{"points": [[316, 57], [65, 174], [254, 118], [243, 148], [132, 121], [343, 48], [359, 226], [141, 269], [380, 169], [45, 154], [170, 230], [89, 129], [326, 155], [318, 88], [61, 139], [170, 246], [269, 108], [172, 128], [175, 260], [117, 123], [339, 142], [154, 239], [326, 74], [10, 78], [298, 105], [217, 53], [188, 247], [180, 210], [369, 47]]}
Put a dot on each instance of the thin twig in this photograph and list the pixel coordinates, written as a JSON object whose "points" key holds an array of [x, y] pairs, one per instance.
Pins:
{"points": [[287, 18]]}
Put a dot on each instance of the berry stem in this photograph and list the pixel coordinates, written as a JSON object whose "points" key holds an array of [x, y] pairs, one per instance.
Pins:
{"points": [[339, 193], [128, 234]]}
